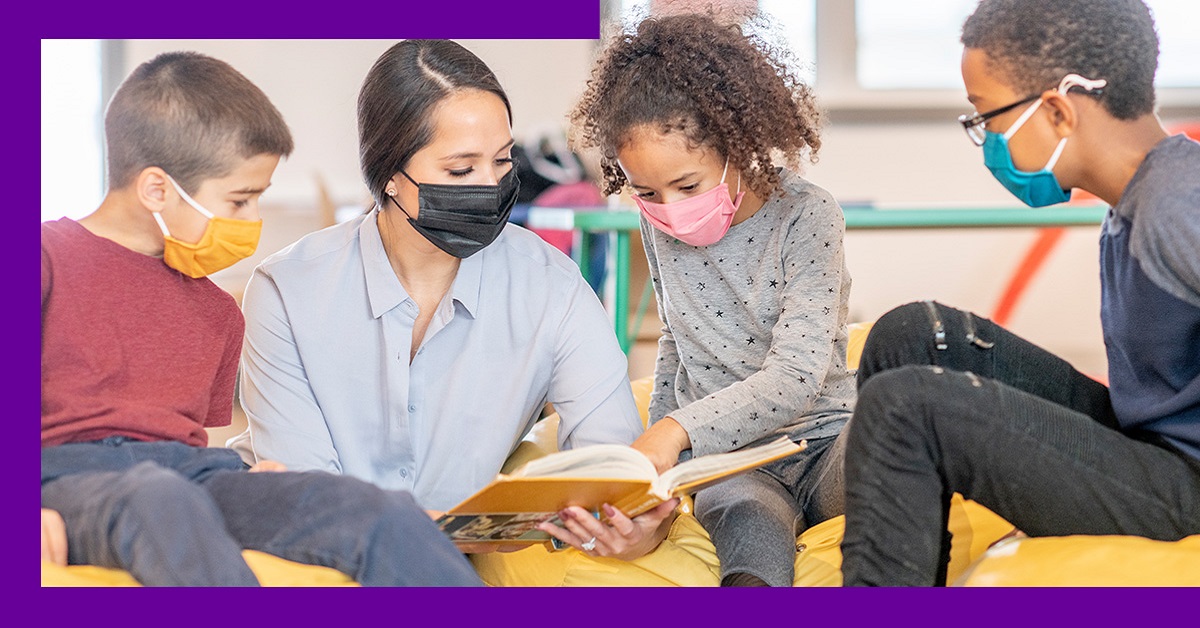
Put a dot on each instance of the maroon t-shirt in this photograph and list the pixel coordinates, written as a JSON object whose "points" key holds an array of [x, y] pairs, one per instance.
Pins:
{"points": [[131, 347]]}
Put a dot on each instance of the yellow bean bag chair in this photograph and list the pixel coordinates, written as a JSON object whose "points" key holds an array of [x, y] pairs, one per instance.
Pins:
{"points": [[1087, 561], [687, 556], [271, 571]]}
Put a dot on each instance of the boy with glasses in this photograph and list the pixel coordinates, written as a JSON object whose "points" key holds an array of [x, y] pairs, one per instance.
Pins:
{"points": [[950, 402]]}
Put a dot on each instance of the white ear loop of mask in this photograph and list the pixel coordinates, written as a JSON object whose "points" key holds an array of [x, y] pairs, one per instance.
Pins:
{"points": [[1068, 81], [726, 171], [187, 199]]}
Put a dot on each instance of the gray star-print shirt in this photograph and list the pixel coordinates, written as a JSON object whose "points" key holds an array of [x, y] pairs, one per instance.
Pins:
{"points": [[754, 334]]}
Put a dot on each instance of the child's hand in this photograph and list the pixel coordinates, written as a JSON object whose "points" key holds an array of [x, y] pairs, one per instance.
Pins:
{"points": [[54, 537], [662, 443], [619, 536], [269, 466]]}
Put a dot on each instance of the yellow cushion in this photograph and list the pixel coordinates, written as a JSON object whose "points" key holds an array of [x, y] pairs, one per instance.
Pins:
{"points": [[271, 571], [1088, 561], [687, 557]]}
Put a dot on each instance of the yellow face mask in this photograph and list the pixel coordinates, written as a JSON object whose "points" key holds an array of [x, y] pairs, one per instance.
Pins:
{"points": [[225, 241]]}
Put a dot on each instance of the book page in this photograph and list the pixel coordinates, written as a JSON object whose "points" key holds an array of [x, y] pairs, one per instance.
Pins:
{"points": [[715, 466], [592, 461]]}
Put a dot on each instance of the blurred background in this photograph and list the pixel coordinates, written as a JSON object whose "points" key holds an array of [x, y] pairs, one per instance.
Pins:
{"points": [[885, 71]]}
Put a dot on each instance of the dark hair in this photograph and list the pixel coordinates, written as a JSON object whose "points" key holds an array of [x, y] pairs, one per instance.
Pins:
{"points": [[1032, 44], [399, 93], [191, 115], [722, 88]]}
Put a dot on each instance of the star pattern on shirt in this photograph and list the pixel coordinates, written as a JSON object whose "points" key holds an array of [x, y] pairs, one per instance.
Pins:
{"points": [[736, 293]]}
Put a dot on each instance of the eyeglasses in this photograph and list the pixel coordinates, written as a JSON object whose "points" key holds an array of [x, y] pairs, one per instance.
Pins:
{"points": [[974, 124]]}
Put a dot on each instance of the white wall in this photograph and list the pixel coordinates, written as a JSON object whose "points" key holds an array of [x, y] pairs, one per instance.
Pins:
{"points": [[315, 85]]}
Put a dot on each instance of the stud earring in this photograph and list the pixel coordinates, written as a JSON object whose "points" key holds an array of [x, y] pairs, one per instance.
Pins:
{"points": [[391, 192]]}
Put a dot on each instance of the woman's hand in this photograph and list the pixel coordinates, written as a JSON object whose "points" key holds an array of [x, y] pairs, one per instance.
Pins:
{"points": [[54, 537], [619, 536], [663, 443]]}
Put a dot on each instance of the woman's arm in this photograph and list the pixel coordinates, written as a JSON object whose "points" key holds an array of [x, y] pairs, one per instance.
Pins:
{"points": [[286, 423], [589, 383]]}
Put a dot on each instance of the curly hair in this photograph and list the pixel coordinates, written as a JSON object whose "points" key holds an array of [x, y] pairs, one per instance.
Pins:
{"points": [[722, 88], [1033, 44]]}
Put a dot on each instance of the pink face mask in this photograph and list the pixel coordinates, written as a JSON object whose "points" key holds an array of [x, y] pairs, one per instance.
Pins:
{"points": [[700, 220]]}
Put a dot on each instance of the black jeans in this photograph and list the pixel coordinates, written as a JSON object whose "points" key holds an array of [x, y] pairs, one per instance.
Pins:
{"points": [[174, 515], [950, 402]]}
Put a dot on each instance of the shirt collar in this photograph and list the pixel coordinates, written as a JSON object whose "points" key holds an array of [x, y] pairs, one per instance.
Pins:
{"points": [[468, 282], [385, 290]]}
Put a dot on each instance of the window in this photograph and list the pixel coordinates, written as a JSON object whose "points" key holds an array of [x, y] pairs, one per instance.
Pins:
{"points": [[904, 54], [915, 44], [72, 128]]}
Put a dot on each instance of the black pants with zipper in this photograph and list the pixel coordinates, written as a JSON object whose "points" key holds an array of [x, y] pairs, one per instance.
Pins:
{"points": [[950, 402]]}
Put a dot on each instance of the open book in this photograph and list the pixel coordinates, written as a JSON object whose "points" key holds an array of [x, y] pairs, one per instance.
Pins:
{"points": [[509, 509]]}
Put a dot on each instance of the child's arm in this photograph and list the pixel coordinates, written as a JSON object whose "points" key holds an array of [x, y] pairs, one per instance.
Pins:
{"points": [[666, 367], [286, 424], [47, 279], [589, 383], [805, 339], [220, 406]]}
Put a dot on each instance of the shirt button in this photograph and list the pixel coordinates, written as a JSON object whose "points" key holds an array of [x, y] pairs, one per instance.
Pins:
{"points": [[403, 473], [412, 408]]}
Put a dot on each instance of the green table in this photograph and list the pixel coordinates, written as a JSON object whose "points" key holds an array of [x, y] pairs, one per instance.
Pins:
{"points": [[622, 222]]}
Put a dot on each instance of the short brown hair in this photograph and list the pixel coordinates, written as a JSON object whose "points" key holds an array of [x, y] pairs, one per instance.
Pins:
{"points": [[191, 115]]}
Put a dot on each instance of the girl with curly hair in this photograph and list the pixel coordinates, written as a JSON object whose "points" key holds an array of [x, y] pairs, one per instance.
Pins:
{"points": [[747, 263]]}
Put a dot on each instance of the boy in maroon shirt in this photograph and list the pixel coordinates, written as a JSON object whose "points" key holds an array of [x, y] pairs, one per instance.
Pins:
{"points": [[140, 353]]}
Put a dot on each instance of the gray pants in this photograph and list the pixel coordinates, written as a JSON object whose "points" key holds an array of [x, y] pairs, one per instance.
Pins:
{"points": [[176, 515], [754, 519]]}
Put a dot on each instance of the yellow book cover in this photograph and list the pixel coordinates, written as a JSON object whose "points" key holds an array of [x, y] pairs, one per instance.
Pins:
{"points": [[509, 509]]}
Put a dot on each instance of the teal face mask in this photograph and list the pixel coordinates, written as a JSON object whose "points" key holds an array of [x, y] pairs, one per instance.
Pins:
{"points": [[1035, 189], [1040, 188]]}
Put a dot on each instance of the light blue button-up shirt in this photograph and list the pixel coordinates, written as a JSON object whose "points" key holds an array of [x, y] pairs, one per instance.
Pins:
{"points": [[326, 381]]}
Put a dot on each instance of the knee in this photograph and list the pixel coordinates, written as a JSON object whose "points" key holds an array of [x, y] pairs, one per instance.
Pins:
{"points": [[899, 324], [373, 509], [735, 498], [892, 402], [148, 489], [901, 336]]}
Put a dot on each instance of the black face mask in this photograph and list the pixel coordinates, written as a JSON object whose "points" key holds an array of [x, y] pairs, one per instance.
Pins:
{"points": [[461, 219]]}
